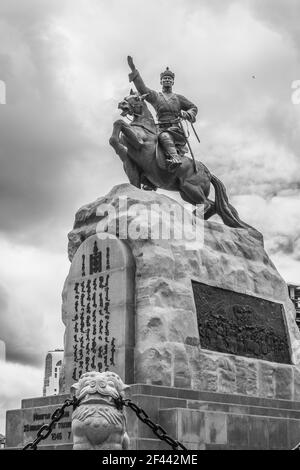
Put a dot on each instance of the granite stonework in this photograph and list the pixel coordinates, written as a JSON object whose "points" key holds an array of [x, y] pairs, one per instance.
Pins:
{"points": [[23, 424], [199, 419], [168, 348], [206, 398]]}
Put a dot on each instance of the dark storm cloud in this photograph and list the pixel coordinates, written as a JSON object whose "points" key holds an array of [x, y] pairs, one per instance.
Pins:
{"points": [[281, 15], [41, 138]]}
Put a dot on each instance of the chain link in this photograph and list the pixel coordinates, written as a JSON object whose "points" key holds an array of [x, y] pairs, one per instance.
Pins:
{"points": [[158, 430], [46, 429]]}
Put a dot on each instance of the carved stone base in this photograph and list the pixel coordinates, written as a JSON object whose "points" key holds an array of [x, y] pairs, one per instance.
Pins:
{"points": [[254, 333], [213, 421], [200, 420]]}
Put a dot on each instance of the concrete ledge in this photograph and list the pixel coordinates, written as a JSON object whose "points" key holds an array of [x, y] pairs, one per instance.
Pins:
{"points": [[213, 430], [188, 394]]}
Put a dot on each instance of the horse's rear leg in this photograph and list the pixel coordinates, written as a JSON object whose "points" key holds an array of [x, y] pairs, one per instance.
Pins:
{"points": [[194, 195], [211, 210]]}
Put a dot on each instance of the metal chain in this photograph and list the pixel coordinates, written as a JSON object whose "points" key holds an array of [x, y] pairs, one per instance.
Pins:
{"points": [[46, 429], [158, 430]]}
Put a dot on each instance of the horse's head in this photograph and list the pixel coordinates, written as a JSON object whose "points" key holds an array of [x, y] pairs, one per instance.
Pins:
{"points": [[133, 104]]}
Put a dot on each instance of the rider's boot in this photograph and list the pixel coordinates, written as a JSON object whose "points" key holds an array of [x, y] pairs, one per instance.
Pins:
{"points": [[167, 143]]}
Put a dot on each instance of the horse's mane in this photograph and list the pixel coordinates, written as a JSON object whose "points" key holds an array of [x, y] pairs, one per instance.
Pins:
{"points": [[143, 101]]}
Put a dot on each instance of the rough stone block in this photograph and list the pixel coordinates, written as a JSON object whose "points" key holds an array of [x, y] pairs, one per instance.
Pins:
{"points": [[284, 383], [151, 406], [227, 376], [266, 381], [293, 433], [191, 425], [296, 395], [246, 377], [258, 432], [182, 373], [238, 430], [278, 433], [154, 366], [168, 419], [184, 425], [216, 428]]}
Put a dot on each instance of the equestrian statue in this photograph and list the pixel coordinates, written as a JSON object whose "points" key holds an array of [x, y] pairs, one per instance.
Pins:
{"points": [[154, 155]]}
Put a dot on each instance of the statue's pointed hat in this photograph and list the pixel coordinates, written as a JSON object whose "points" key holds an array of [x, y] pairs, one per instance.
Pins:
{"points": [[168, 73]]}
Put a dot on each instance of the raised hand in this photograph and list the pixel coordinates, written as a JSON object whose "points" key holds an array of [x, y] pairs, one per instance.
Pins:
{"points": [[130, 63]]}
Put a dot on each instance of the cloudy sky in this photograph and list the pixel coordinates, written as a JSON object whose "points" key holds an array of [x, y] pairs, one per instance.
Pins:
{"points": [[64, 65]]}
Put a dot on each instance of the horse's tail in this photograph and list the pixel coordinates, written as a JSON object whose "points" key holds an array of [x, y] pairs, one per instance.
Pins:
{"points": [[226, 211]]}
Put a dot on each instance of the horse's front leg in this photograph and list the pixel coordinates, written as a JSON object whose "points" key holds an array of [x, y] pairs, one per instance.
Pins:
{"points": [[134, 140], [115, 141], [121, 126]]}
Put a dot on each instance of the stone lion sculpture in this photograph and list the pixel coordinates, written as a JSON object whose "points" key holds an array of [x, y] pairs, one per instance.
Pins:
{"points": [[97, 424]]}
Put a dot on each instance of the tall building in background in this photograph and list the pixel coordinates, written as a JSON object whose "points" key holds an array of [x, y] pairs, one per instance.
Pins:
{"points": [[2, 441], [2, 351], [53, 364], [294, 293]]}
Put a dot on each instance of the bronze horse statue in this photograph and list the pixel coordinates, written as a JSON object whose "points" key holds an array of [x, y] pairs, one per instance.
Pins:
{"points": [[137, 146]]}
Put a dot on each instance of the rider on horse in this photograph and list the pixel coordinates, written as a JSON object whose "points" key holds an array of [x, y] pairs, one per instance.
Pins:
{"points": [[169, 107]]}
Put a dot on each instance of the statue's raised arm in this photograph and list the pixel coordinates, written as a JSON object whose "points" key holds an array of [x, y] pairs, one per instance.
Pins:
{"points": [[136, 78]]}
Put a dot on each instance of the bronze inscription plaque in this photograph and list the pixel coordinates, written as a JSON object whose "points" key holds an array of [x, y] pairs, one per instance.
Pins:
{"points": [[241, 324]]}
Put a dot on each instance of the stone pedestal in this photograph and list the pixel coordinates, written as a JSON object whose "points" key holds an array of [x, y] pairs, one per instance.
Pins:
{"points": [[23, 424], [200, 420], [214, 421], [204, 328], [168, 349]]}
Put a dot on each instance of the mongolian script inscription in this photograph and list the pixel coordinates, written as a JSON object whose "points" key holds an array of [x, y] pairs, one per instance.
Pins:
{"points": [[93, 344], [241, 324], [98, 310]]}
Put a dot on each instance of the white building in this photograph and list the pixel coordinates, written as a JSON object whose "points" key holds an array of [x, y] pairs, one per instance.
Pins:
{"points": [[53, 364], [294, 292]]}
